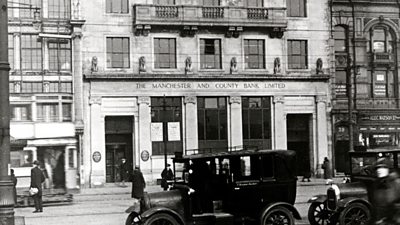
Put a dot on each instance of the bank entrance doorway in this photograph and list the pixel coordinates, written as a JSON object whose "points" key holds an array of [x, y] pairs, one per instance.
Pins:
{"points": [[119, 145], [299, 139]]}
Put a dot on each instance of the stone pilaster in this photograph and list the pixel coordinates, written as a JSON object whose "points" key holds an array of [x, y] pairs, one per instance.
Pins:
{"points": [[280, 133], [236, 127], [192, 140], [97, 142], [144, 131], [322, 132]]}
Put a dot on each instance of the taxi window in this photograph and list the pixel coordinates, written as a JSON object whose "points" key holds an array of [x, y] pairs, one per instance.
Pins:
{"points": [[247, 168], [267, 162]]}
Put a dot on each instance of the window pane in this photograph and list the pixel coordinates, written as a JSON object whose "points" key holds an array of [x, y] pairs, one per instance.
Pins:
{"points": [[31, 50], [210, 56], [118, 52]]}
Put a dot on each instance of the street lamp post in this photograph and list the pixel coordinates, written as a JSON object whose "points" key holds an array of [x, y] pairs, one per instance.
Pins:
{"points": [[165, 130], [6, 185]]}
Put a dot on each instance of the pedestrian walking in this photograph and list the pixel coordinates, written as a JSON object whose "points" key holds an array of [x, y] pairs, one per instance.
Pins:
{"points": [[138, 183], [124, 172], [327, 167], [166, 176], [37, 178], [14, 180]]}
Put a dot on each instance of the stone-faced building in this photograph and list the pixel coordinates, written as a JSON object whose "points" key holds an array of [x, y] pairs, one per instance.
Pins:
{"points": [[366, 35], [199, 74], [43, 78]]}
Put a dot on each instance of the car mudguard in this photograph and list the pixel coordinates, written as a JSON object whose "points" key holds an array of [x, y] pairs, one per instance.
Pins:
{"points": [[317, 198], [343, 203], [152, 211], [296, 214]]}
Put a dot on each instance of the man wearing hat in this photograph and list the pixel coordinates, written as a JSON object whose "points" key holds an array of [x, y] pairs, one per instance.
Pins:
{"points": [[37, 178], [166, 175], [138, 183]]}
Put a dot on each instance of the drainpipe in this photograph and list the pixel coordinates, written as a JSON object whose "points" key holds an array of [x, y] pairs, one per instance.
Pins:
{"points": [[351, 98]]}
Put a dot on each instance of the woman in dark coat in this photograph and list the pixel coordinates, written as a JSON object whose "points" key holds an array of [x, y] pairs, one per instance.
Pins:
{"points": [[327, 170], [138, 183]]}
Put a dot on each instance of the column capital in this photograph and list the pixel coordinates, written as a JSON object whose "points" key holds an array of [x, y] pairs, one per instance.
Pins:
{"points": [[235, 100], [16, 34], [279, 99], [190, 100], [95, 100], [321, 99], [77, 34], [144, 100]]}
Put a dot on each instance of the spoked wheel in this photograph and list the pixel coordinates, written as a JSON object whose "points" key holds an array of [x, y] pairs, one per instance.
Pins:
{"points": [[319, 215], [278, 216], [161, 219], [355, 214]]}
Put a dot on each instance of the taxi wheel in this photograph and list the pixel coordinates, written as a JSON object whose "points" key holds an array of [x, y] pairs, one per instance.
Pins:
{"points": [[129, 220], [278, 216], [355, 214], [318, 214], [161, 219]]}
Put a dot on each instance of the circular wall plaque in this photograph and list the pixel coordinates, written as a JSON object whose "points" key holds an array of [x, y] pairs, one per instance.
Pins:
{"points": [[96, 156], [145, 155]]}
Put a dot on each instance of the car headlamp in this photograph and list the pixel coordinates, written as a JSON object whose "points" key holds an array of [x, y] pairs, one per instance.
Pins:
{"points": [[337, 190], [137, 219]]}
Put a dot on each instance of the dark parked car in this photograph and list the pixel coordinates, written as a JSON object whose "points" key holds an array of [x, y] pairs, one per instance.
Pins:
{"points": [[348, 203], [243, 186]]}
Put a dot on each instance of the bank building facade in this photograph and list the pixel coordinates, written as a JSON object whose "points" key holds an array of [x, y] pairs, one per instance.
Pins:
{"points": [[173, 76]]}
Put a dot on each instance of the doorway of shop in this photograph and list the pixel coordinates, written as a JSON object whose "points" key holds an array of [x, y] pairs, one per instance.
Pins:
{"points": [[119, 145], [298, 139]]}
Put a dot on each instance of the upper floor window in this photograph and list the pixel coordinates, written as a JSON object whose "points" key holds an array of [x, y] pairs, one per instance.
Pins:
{"points": [[117, 6], [31, 50], [11, 50], [165, 53], [380, 40], [26, 12], [254, 54], [60, 55], [20, 112], [117, 52], [59, 9], [254, 3], [297, 54], [296, 8], [211, 2], [47, 112], [340, 37], [210, 53], [164, 2]]}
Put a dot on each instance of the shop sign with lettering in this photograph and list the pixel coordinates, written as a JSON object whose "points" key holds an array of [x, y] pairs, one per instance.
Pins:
{"points": [[211, 85], [381, 118]]}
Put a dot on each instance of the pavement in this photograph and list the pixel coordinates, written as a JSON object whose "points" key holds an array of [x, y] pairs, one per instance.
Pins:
{"points": [[106, 205]]}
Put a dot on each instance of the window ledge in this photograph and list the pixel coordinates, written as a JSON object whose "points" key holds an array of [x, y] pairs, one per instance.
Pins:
{"points": [[211, 70], [166, 70]]}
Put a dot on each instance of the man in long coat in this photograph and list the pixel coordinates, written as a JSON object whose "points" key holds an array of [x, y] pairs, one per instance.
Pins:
{"points": [[138, 183], [37, 178]]}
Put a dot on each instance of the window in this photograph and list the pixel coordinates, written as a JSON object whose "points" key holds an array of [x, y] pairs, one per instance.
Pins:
{"points": [[340, 83], [256, 121], [11, 50], [59, 9], [165, 2], [381, 40], [212, 119], [32, 87], [26, 12], [20, 112], [60, 55], [165, 53], [53, 87], [383, 84], [210, 53], [117, 52], [254, 3], [168, 113], [296, 8], [297, 54], [66, 112], [254, 54], [66, 87], [117, 6], [247, 168], [21, 158], [31, 50], [211, 2], [340, 37], [47, 112]]}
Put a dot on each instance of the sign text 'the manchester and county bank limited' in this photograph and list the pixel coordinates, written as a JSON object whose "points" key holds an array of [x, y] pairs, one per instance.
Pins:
{"points": [[211, 85]]}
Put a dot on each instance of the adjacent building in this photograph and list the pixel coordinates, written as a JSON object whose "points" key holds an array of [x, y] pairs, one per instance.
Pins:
{"points": [[42, 37], [366, 80], [180, 76]]}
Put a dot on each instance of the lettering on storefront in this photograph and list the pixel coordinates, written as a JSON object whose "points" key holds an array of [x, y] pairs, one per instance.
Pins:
{"points": [[381, 118], [211, 85]]}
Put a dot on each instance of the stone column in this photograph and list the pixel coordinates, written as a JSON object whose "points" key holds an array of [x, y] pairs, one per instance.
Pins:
{"points": [[280, 133], [144, 132], [236, 121], [97, 142], [192, 139], [322, 132]]}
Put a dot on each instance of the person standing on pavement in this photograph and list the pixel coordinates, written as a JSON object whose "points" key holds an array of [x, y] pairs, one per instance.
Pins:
{"points": [[138, 183], [327, 167], [166, 175], [14, 180], [124, 172], [37, 178]]}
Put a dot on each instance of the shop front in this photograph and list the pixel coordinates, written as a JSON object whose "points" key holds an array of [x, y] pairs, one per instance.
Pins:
{"points": [[169, 117]]}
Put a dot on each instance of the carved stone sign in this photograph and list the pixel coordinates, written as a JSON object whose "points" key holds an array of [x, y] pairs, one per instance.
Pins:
{"points": [[145, 155], [96, 156]]}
